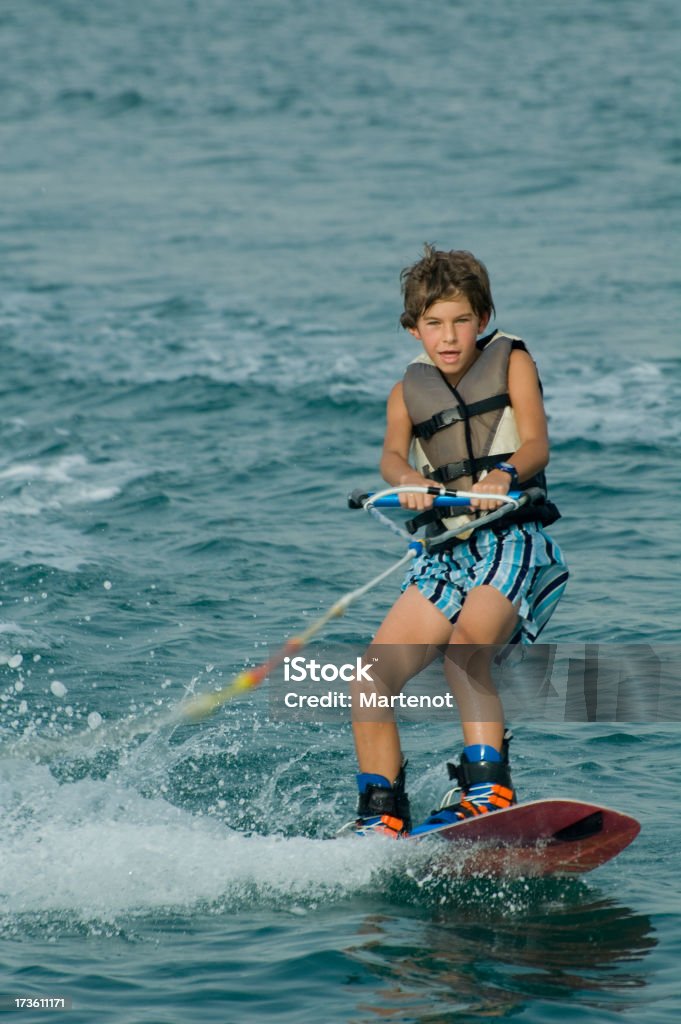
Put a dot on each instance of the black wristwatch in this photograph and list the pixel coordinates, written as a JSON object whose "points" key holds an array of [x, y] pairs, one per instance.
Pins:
{"points": [[506, 467]]}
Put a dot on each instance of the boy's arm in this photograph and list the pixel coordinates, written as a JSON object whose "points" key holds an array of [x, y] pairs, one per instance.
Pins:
{"points": [[528, 408], [395, 466]]}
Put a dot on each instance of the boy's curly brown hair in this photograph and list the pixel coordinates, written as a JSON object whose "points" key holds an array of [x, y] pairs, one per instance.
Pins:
{"points": [[444, 275]]}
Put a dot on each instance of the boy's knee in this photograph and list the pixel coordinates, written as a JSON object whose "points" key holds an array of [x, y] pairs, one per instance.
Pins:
{"points": [[370, 702], [462, 636]]}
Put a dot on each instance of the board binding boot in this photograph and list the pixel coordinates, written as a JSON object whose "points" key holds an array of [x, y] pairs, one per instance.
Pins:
{"points": [[383, 807], [484, 785]]}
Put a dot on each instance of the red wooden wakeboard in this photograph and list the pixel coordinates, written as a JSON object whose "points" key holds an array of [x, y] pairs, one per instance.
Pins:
{"points": [[543, 837]]}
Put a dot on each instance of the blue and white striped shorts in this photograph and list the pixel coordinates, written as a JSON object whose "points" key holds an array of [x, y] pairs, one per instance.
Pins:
{"points": [[522, 562]]}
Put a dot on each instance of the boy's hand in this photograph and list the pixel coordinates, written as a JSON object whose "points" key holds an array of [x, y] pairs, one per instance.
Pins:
{"points": [[496, 482], [417, 502]]}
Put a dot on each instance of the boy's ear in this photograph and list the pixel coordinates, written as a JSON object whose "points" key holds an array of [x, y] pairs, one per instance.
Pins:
{"points": [[484, 320], [414, 333]]}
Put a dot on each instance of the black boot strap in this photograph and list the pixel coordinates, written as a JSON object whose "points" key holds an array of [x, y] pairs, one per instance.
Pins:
{"points": [[377, 801], [467, 773]]}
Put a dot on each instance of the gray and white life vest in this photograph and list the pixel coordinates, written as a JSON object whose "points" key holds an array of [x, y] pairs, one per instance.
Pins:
{"points": [[462, 432]]}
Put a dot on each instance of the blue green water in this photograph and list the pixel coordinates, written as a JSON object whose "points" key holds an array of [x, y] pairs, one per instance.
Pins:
{"points": [[205, 209]]}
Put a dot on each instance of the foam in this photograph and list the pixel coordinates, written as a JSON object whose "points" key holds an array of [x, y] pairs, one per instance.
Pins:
{"points": [[33, 490], [623, 405], [98, 849], [66, 480]]}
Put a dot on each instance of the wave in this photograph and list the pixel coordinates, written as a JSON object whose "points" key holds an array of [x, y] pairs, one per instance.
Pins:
{"points": [[635, 402], [97, 848], [51, 483], [210, 357]]}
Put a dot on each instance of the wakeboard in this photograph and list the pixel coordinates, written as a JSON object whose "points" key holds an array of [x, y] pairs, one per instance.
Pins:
{"points": [[539, 838]]}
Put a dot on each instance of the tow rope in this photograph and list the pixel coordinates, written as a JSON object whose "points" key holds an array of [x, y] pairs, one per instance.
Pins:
{"points": [[204, 704]]}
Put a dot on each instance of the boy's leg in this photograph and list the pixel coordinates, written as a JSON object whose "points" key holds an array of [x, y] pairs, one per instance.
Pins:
{"points": [[413, 629], [486, 620], [406, 642]]}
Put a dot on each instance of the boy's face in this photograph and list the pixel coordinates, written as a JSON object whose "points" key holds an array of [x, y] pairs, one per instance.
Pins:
{"points": [[448, 331]]}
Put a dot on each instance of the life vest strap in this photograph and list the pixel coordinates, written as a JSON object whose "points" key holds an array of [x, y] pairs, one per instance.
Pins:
{"points": [[422, 519], [440, 420], [466, 467]]}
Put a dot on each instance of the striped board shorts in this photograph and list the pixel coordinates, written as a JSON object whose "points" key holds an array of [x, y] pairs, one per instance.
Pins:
{"points": [[522, 562]]}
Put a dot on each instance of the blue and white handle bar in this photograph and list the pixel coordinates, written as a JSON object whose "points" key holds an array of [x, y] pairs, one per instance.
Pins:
{"points": [[390, 498]]}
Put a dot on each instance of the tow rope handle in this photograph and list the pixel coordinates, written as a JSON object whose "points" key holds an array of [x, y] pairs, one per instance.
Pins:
{"points": [[448, 499]]}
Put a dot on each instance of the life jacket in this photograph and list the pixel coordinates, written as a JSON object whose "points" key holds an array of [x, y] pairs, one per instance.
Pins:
{"points": [[460, 433]]}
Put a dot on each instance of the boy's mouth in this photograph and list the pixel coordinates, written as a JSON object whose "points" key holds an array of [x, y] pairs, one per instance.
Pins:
{"points": [[449, 355]]}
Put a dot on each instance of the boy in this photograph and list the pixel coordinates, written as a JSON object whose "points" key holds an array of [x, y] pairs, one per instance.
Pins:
{"points": [[470, 410]]}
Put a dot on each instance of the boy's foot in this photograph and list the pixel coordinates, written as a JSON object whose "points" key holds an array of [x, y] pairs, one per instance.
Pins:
{"points": [[383, 806], [485, 785]]}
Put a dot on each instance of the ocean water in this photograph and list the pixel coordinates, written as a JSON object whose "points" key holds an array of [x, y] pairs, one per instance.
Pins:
{"points": [[205, 209]]}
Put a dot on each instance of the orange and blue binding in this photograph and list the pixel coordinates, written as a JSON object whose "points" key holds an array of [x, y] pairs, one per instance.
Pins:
{"points": [[484, 784]]}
